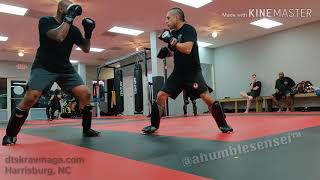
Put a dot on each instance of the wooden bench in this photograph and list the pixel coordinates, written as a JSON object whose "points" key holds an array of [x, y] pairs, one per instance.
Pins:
{"points": [[264, 101], [259, 102], [267, 100], [303, 95]]}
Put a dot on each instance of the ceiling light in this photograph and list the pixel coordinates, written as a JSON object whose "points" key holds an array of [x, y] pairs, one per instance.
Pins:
{"points": [[21, 53], [3, 38], [266, 23], [127, 31], [193, 3], [13, 9], [73, 61], [204, 44], [92, 49], [214, 34]]}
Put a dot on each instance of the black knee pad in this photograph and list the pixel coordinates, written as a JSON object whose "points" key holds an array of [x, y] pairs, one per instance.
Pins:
{"points": [[156, 112], [218, 114], [17, 119]]}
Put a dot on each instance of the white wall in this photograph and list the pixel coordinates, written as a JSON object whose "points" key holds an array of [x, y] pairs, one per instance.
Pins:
{"points": [[294, 51], [9, 70]]}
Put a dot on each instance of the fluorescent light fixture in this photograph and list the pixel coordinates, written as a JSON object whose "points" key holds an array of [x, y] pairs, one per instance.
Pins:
{"points": [[3, 38], [73, 61], [266, 23], [204, 44], [193, 3], [96, 49], [92, 49], [18, 83], [122, 30], [13, 9]]}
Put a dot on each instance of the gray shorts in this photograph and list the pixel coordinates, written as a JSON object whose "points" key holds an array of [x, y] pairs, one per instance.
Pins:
{"points": [[42, 80]]}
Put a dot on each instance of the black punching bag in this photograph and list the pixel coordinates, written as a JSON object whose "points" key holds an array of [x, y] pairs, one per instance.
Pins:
{"points": [[118, 87], [138, 89]]}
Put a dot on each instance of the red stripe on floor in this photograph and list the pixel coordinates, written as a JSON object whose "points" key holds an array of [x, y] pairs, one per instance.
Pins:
{"points": [[123, 117], [204, 127], [94, 165], [40, 122]]}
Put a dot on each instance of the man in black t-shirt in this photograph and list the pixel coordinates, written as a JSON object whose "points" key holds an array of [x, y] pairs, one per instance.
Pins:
{"points": [[182, 40], [57, 36], [255, 89], [55, 103], [284, 90]]}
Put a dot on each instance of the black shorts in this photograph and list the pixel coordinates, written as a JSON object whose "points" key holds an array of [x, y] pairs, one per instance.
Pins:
{"points": [[280, 96], [253, 94], [193, 83], [42, 80]]}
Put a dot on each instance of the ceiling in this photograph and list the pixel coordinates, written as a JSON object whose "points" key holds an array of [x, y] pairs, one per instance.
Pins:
{"points": [[146, 15]]}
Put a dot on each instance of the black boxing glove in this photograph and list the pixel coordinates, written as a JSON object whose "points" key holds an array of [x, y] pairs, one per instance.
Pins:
{"points": [[167, 37], [163, 53], [88, 26], [73, 11]]}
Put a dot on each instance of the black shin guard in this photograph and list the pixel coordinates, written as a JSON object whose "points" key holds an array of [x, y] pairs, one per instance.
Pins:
{"points": [[86, 118], [194, 107], [156, 113], [219, 116], [17, 119], [53, 110], [48, 112], [86, 123], [185, 109]]}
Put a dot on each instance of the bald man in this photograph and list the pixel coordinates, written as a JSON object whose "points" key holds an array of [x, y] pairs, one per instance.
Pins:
{"points": [[52, 64], [182, 41]]}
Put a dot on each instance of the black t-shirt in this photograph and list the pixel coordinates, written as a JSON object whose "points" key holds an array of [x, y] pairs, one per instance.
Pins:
{"points": [[284, 84], [256, 84], [53, 55], [186, 63]]}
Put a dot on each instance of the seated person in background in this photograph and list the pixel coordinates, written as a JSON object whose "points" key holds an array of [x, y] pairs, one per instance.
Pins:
{"points": [[55, 103], [188, 94], [255, 89], [284, 90], [70, 107]]}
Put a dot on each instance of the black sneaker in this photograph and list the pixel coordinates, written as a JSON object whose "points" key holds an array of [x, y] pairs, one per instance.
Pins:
{"points": [[7, 140], [149, 130], [226, 129], [91, 133]]}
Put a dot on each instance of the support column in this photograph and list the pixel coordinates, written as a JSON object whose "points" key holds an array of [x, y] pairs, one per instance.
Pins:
{"points": [[82, 72]]}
